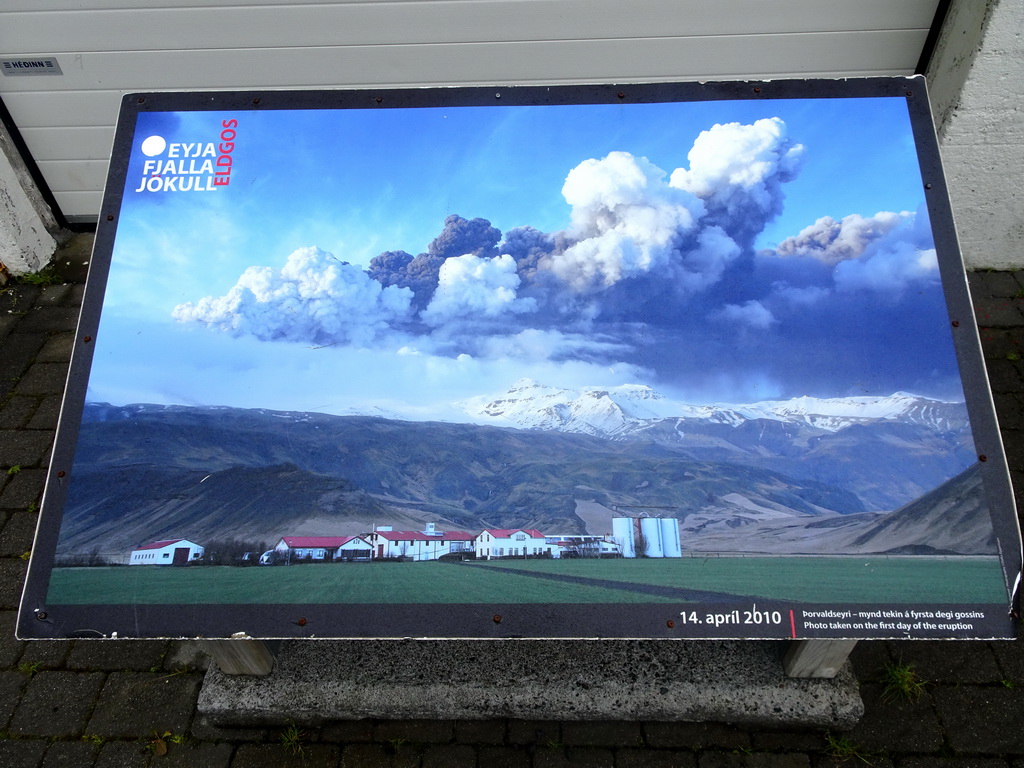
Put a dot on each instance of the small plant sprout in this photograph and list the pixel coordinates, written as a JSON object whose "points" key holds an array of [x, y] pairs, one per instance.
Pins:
{"points": [[902, 682], [292, 738], [45, 276], [158, 744], [396, 744], [841, 748], [14, 470], [29, 668]]}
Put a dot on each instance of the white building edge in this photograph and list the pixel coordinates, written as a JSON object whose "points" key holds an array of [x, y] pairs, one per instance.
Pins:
{"points": [[63, 124]]}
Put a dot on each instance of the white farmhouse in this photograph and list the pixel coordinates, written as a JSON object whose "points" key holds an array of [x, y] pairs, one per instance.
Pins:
{"points": [[428, 544], [322, 548], [166, 552], [512, 542]]}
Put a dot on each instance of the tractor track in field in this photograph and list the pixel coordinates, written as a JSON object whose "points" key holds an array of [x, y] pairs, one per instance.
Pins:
{"points": [[675, 593]]}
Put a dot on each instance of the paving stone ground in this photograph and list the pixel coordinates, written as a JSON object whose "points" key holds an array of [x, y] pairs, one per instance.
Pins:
{"points": [[76, 703]]}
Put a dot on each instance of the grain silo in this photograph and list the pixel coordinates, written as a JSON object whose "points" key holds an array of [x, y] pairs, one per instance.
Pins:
{"points": [[622, 534], [650, 530], [670, 537]]}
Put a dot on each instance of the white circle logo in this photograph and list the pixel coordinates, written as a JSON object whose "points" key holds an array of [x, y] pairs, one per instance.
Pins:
{"points": [[154, 145]]}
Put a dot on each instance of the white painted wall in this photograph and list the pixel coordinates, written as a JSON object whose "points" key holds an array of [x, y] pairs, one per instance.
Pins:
{"points": [[106, 48], [982, 136]]}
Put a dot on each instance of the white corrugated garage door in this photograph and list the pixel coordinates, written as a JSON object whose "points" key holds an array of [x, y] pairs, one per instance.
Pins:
{"points": [[105, 48]]}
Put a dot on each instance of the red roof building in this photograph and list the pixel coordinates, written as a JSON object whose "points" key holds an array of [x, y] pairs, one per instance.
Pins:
{"points": [[511, 542]]}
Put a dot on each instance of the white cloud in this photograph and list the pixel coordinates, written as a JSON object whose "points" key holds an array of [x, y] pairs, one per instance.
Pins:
{"points": [[752, 314], [472, 286], [800, 297], [733, 159], [313, 298], [626, 221], [537, 344], [703, 265], [889, 269]]}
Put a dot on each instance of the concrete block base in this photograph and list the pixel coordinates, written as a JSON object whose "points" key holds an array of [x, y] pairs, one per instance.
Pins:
{"points": [[314, 681]]}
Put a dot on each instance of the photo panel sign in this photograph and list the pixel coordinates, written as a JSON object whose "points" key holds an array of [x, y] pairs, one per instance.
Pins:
{"points": [[669, 361]]}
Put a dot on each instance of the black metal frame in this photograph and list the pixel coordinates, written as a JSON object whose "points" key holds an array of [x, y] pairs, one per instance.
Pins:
{"points": [[38, 620]]}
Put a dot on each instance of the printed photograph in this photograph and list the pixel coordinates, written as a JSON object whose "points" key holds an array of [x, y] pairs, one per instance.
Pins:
{"points": [[635, 353]]}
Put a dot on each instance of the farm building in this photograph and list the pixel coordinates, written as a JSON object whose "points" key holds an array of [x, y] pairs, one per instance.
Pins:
{"points": [[512, 542], [582, 545], [322, 548], [428, 544], [166, 552]]}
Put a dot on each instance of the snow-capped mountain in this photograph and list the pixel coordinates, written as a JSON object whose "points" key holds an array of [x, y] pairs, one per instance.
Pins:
{"points": [[625, 410]]}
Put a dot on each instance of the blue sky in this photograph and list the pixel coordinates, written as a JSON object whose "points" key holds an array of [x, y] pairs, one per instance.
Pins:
{"points": [[670, 257]]}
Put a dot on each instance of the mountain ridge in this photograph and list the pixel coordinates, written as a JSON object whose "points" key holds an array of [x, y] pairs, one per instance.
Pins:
{"points": [[147, 472], [623, 409]]}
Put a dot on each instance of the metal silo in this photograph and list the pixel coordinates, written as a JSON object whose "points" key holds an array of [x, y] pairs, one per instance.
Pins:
{"points": [[622, 533], [670, 537], [650, 528]]}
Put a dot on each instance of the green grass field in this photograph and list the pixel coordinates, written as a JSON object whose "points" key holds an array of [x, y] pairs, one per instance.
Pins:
{"points": [[864, 580], [867, 579]]}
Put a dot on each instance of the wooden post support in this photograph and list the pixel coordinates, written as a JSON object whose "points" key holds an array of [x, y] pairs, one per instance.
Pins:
{"points": [[816, 658], [241, 655]]}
